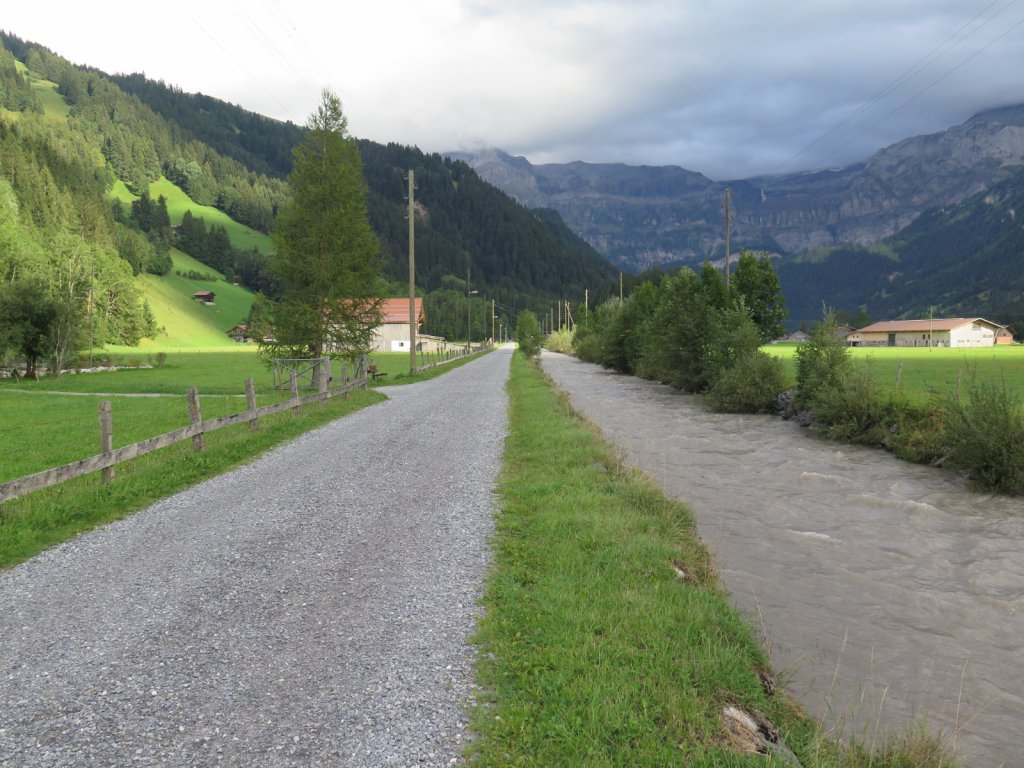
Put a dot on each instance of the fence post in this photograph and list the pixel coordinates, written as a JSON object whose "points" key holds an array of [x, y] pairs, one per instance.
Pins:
{"points": [[250, 398], [366, 372], [344, 380], [106, 437], [295, 393], [195, 415], [899, 374], [325, 378]]}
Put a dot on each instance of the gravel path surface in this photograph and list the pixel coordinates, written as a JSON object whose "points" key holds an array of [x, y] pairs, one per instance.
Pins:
{"points": [[311, 608]]}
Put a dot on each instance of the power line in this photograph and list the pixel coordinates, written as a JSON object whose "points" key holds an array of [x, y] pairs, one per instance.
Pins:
{"points": [[241, 66], [927, 87], [268, 44], [922, 64], [301, 45]]}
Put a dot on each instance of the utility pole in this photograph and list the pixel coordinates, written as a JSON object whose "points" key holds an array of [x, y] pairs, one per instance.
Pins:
{"points": [[586, 302], [469, 315], [728, 194], [559, 315], [492, 321], [412, 274], [620, 287]]}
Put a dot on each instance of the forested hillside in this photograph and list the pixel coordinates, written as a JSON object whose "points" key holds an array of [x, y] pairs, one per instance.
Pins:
{"points": [[954, 261], [64, 278], [519, 258]]}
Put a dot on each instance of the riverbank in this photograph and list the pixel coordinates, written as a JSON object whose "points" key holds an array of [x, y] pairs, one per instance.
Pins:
{"points": [[606, 638]]}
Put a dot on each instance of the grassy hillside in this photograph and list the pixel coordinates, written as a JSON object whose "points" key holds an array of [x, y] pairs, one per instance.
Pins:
{"points": [[243, 238], [184, 322]]}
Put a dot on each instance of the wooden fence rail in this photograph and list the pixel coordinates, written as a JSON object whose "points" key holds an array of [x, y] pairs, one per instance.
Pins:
{"points": [[445, 360], [109, 457]]}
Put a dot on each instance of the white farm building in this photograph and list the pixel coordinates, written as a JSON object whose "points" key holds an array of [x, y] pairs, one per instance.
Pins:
{"points": [[937, 332], [392, 335]]}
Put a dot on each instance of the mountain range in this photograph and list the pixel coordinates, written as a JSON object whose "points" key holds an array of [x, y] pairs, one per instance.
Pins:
{"points": [[642, 216]]}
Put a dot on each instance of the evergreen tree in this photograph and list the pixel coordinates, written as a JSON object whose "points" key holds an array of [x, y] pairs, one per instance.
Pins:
{"points": [[327, 255]]}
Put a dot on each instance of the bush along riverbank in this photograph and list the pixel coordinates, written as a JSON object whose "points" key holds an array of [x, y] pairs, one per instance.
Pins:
{"points": [[693, 331], [606, 639], [978, 431]]}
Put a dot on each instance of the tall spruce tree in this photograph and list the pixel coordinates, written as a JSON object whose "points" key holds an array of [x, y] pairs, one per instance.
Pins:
{"points": [[327, 256]]}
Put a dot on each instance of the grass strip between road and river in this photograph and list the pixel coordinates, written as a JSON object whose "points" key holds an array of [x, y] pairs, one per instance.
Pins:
{"points": [[606, 639]]}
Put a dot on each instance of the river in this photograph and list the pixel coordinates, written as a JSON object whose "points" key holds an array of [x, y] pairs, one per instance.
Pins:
{"points": [[887, 593]]}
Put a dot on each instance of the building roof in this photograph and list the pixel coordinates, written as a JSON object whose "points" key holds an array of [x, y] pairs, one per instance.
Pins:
{"points": [[397, 311], [924, 326]]}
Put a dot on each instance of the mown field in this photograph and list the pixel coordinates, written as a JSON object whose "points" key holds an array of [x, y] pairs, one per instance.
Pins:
{"points": [[927, 372]]}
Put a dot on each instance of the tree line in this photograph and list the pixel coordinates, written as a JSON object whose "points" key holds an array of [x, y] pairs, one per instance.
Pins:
{"points": [[696, 332]]}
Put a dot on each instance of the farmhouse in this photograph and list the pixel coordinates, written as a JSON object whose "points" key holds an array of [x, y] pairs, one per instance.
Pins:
{"points": [[936, 332], [204, 296], [392, 335]]}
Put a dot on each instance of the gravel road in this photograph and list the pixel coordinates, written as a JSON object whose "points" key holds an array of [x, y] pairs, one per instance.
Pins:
{"points": [[311, 608]]}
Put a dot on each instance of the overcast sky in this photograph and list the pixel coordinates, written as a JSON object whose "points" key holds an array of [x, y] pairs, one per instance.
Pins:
{"points": [[730, 88]]}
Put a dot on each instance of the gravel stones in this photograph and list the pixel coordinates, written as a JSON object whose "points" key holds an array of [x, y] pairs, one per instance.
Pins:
{"points": [[310, 608]]}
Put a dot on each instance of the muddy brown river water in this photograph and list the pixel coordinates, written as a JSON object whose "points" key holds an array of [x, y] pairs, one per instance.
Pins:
{"points": [[887, 592]]}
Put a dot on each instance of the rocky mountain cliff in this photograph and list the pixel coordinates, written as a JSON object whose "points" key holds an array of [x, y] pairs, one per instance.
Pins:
{"points": [[640, 216]]}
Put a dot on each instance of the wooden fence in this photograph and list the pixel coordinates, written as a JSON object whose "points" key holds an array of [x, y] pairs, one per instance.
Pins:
{"points": [[110, 457], [443, 358]]}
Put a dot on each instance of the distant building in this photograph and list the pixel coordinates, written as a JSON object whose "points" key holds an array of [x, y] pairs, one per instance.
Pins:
{"points": [[937, 332], [392, 335], [239, 332], [204, 296]]}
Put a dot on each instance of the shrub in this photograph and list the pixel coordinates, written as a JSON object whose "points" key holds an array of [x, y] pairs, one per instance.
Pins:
{"points": [[560, 341], [985, 433], [586, 343], [751, 385], [528, 333], [850, 408], [822, 364]]}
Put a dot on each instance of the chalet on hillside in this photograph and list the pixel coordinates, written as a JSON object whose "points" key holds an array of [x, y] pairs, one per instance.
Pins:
{"points": [[936, 332], [204, 296], [239, 332]]}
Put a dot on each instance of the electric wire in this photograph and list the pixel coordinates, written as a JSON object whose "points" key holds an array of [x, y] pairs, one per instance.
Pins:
{"points": [[922, 64], [927, 88], [268, 45], [240, 66]]}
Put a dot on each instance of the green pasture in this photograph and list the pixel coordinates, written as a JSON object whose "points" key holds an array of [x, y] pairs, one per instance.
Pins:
{"points": [[243, 238], [216, 371], [47, 430], [185, 322], [928, 372]]}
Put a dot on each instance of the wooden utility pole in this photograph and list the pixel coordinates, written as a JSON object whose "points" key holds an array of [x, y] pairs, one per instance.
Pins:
{"points": [[412, 274], [469, 317], [620, 287], [728, 195], [586, 301], [492, 321], [559, 316]]}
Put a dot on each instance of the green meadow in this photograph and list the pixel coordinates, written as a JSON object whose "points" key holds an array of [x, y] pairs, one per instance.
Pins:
{"points": [[185, 322], [243, 238], [927, 372]]}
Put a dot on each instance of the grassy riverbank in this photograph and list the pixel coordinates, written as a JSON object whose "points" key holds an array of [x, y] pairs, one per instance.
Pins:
{"points": [[606, 639]]}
